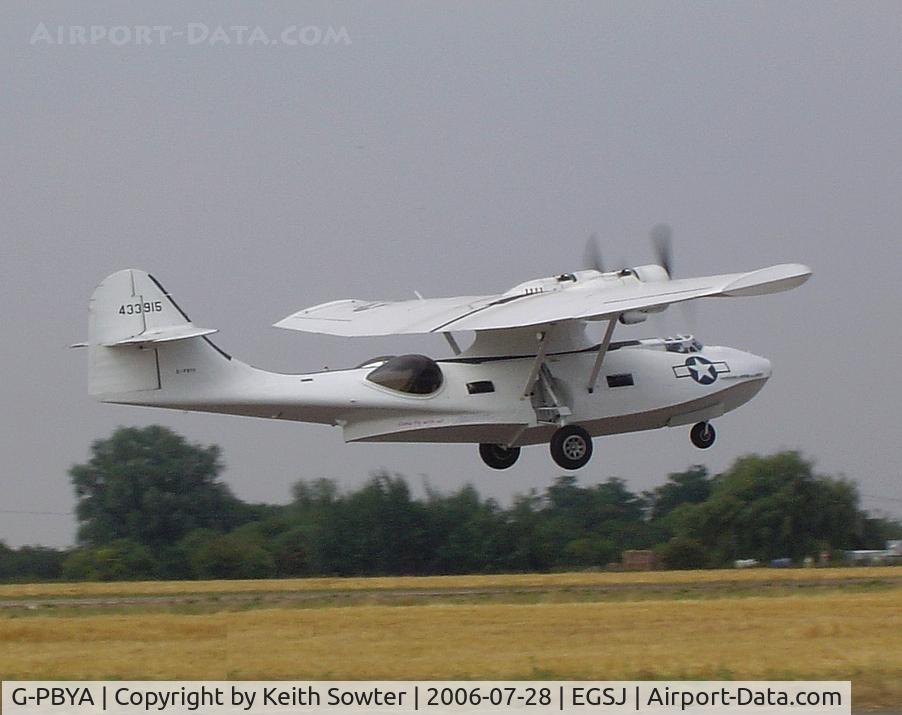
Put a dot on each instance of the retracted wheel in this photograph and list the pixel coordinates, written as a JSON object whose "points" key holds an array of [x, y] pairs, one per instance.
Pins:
{"points": [[702, 435], [571, 447], [497, 456]]}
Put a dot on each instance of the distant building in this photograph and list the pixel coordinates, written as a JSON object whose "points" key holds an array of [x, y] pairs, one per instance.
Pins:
{"points": [[891, 554], [745, 563], [638, 560]]}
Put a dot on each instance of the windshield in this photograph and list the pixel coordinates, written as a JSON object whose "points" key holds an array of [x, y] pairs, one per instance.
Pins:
{"points": [[683, 344]]}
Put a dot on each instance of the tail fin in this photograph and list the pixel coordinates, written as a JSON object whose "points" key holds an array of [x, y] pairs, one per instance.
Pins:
{"points": [[131, 320]]}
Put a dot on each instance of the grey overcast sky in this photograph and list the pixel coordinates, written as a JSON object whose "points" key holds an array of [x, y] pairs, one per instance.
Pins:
{"points": [[451, 148]]}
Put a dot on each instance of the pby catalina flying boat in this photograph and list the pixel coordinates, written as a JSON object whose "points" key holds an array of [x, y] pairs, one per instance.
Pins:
{"points": [[531, 376]]}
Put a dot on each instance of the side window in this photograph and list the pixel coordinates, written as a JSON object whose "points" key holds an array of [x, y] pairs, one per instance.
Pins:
{"points": [[480, 386], [622, 380]]}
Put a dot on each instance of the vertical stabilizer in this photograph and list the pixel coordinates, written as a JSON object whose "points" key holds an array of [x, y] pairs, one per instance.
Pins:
{"points": [[132, 319]]}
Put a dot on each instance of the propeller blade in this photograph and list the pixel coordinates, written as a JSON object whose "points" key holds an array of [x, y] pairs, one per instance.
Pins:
{"points": [[592, 257], [661, 239]]}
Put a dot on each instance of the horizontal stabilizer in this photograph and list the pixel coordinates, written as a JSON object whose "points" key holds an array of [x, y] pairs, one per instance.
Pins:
{"points": [[164, 335]]}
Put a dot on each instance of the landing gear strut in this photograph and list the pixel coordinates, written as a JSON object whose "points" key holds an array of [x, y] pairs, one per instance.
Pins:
{"points": [[702, 435], [571, 447], [497, 456]]}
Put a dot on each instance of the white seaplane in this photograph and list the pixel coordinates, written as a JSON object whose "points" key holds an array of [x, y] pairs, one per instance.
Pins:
{"points": [[531, 376]]}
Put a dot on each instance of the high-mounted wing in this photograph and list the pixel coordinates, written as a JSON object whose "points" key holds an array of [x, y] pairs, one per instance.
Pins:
{"points": [[366, 317], [588, 295]]}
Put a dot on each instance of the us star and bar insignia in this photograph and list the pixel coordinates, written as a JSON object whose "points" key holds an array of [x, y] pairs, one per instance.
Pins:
{"points": [[700, 369]]}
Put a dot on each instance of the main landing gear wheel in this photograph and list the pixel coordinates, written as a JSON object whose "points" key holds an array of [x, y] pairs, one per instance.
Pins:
{"points": [[571, 447], [497, 456], [702, 435]]}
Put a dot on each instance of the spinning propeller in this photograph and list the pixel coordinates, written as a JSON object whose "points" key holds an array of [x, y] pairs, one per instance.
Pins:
{"points": [[592, 257], [661, 239], [661, 236]]}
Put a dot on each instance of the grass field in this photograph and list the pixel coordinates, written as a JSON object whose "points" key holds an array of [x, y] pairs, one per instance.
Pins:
{"points": [[790, 624]]}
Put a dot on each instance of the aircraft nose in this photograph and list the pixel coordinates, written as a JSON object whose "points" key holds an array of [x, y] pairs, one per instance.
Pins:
{"points": [[762, 365]]}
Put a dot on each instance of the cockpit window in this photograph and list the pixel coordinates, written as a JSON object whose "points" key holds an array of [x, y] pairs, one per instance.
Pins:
{"points": [[375, 362], [413, 374]]}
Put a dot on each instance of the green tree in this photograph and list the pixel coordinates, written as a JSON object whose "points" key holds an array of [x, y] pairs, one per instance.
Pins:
{"points": [[464, 532], [118, 560], [526, 550], [876, 531], [230, 556], [682, 552], [589, 552], [382, 528], [151, 505], [291, 552], [690, 487], [152, 487], [29, 563], [774, 506], [581, 526]]}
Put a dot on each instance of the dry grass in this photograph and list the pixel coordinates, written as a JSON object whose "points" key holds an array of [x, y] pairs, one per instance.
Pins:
{"points": [[564, 580], [825, 635]]}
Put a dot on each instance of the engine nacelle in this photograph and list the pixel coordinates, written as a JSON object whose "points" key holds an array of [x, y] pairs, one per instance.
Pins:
{"points": [[651, 273], [632, 317]]}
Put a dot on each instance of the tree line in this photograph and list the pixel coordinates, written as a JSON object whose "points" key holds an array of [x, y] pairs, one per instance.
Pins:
{"points": [[151, 505]]}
